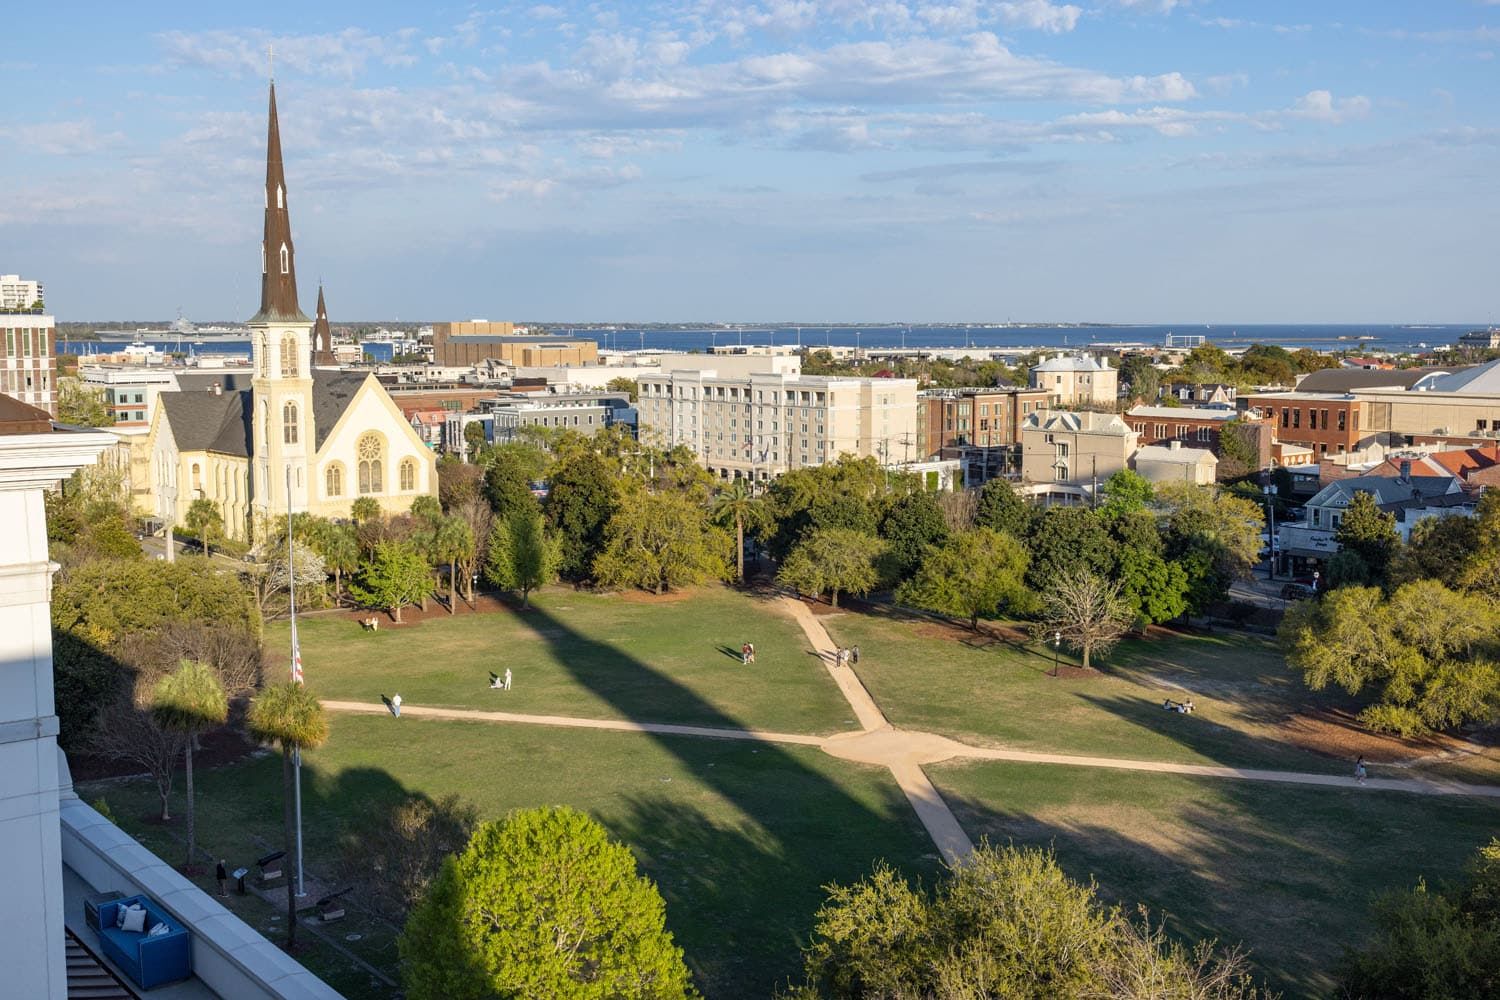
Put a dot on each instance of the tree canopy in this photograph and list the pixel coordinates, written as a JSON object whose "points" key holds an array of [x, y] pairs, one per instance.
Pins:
{"points": [[971, 575], [661, 541], [833, 561], [542, 903], [1428, 653]]}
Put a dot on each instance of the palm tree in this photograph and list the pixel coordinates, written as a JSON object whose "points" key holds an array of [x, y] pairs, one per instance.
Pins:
{"points": [[365, 509], [735, 503], [188, 701], [291, 716], [451, 541], [340, 551]]}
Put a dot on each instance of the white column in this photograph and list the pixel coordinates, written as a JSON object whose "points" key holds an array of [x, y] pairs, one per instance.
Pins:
{"points": [[32, 946]]}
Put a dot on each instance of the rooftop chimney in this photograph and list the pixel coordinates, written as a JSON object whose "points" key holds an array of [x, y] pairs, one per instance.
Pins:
{"points": [[218, 389], [1405, 471], [1174, 445]]}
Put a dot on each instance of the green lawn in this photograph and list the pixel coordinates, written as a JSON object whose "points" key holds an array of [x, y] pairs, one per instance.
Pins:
{"points": [[1286, 871], [587, 655], [992, 693], [739, 837]]}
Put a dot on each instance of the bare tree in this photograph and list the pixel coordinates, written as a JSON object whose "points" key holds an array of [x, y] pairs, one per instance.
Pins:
{"points": [[272, 577], [1146, 965], [398, 850], [128, 733], [959, 508], [235, 654], [1085, 612]]}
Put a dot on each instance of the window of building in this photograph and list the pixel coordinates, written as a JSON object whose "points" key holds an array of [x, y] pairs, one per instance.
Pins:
{"points": [[1285, 416], [1297, 418], [1325, 420], [408, 475], [371, 453], [1203, 434], [1343, 416], [286, 260], [289, 423], [25, 343], [289, 356]]}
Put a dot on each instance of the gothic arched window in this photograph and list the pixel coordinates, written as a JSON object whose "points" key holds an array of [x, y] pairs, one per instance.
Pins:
{"points": [[289, 356], [408, 475], [265, 355], [371, 453], [334, 480], [286, 260], [289, 423]]}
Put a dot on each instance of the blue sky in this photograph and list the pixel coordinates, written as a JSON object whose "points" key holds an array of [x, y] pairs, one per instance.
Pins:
{"points": [[765, 160]]}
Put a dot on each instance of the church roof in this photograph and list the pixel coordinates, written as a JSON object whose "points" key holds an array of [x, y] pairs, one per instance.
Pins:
{"points": [[331, 394], [322, 334], [209, 421], [204, 379], [278, 285]]}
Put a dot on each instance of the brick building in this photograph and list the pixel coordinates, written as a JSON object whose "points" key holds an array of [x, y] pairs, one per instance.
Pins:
{"points": [[26, 361], [457, 344], [978, 417]]}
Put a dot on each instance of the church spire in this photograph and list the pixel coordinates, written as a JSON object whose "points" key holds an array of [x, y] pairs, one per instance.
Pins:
{"points": [[322, 338], [278, 279]]}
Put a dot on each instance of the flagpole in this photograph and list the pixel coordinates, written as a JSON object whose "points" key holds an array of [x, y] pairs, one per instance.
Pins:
{"points": [[291, 576]]}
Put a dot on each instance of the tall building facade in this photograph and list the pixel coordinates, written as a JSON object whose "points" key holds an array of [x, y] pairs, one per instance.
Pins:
{"points": [[760, 425], [27, 364], [1078, 380], [18, 293]]}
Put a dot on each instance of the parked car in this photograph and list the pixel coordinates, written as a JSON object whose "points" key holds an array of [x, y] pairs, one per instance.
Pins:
{"points": [[1297, 591]]}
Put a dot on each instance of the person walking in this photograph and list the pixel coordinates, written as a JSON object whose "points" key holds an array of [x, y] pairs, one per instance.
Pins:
{"points": [[1359, 770], [396, 705], [223, 877], [854, 654]]}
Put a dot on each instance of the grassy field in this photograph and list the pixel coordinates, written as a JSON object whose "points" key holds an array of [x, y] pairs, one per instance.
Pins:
{"points": [[989, 692], [739, 837], [587, 655], [1287, 871]]}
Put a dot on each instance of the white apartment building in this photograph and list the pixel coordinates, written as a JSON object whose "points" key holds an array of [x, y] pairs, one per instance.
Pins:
{"points": [[759, 425], [26, 360], [18, 294]]}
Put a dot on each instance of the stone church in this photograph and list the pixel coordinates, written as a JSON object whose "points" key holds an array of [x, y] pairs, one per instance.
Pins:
{"points": [[330, 437]]}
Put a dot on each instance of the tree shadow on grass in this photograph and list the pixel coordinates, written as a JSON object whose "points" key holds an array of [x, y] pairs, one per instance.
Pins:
{"points": [[782, 778], [1289, 872]]}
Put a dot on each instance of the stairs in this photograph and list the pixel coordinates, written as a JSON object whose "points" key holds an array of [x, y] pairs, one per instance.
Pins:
{"points": [[88, 979]]}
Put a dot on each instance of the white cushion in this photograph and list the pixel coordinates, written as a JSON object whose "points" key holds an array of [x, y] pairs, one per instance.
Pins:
{"points": [[120, 912], [135, 920], [160, 929]]}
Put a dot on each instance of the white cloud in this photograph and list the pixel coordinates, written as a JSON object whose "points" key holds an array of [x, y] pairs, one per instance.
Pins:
{"points": [[1321, 105], [1041, 15], [344, 54], [66, 138]]}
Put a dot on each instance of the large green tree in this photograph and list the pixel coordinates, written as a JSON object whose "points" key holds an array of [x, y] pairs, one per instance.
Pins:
{"points": [[1001, 508], [848, 493], [913, 524], [1065, 540], [1433, 944], [1213, 535], [290, 716], [583, 496], [542, 904], [660, 541], [507, 483], [395, 575], [81, 405], [189, 701], [1428, 653], [522, 556], [1370, 533], [1007, 924], [971, 575], [1441, 548], [833, 561]]}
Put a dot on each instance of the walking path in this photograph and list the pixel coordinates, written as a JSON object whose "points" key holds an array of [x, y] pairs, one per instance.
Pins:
{"points": [[904, 752], [567, 721]]}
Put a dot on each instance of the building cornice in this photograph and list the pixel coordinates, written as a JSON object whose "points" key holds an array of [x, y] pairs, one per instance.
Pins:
{"points": [[31, 461]]}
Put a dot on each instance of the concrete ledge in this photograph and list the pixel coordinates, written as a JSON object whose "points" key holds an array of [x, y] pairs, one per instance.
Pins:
{"points": [[229, 956]]}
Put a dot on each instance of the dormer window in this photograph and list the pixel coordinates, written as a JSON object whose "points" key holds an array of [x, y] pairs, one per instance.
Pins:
{"points": [[286, 260], [280, 197], [262, 258]]}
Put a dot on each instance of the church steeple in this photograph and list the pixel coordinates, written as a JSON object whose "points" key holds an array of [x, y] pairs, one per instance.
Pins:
{"points": [[322, 335], [278, 279]]}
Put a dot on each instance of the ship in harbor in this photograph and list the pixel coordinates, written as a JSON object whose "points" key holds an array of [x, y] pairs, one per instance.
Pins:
{"points": [[181, 331]]}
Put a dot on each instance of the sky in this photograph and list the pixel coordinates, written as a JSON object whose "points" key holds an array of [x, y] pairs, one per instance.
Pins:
{"points": [[765, 160]]}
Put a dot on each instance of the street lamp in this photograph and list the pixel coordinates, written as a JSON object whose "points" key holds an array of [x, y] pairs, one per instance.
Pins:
{"points": [[1056, 646], [1270, 491]]}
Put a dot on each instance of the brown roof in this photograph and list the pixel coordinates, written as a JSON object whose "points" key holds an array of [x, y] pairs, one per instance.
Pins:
{"points": [[17, 417], [1347, 379], [278, 290]]}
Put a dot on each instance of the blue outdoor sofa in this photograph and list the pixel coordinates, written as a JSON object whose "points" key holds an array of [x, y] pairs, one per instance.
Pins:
{"points": [[150, 961]]}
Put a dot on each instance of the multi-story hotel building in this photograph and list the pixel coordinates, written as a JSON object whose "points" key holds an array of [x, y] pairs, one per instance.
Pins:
{"points": [[26, 364], [759, 425], [17, 293]]}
